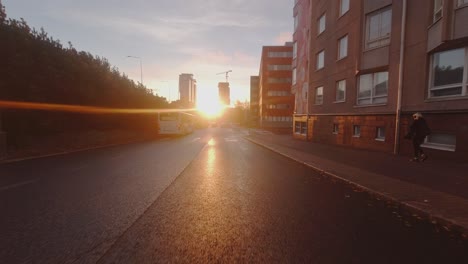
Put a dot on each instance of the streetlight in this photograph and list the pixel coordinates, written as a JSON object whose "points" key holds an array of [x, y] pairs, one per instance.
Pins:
{"points": [[141, 68]]}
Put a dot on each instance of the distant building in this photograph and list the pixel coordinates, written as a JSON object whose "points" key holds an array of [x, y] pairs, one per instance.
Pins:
{"points": [[254, 99], [276, 103], [187, 89], [374, 63], [224, 93]]}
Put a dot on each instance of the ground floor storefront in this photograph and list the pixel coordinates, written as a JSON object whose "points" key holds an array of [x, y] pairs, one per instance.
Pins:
{"points": [[448, 140]]}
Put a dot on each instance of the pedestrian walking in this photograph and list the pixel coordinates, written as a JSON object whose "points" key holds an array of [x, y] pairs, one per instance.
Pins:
{"points": [[419, 130]]}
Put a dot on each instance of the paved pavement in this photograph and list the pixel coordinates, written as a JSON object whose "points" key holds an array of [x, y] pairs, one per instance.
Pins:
{"points": [[435, 189]]}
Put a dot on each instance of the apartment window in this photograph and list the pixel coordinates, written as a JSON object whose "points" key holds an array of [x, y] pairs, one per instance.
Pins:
{"points": [[449, 73], [343, 47], [279, 67], [380, 134], [321, 24], [300, 127], [278, 106], [378, 27], [297, 127], [279, 80], [278, 93], [280, 54], [441, 141], [296, 22], [319, 95], [320, 60], [462, 2], [356, 131], [294, 74], [295, 50], [373, 88], [335, 128], [438, 4], [340, 91], [344, 7]]}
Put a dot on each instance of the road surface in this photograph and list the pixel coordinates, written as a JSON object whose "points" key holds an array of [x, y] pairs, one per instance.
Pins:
{"points": [[208, 197]]}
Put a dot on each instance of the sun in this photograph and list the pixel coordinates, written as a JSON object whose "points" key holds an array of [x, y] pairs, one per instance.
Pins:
{"points": [[210, 108], [209, 105]]}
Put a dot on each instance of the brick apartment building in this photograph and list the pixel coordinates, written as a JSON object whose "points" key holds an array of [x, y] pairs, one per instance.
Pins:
{"points": [[275, 101], [254, 99], [300, 65], [375, 62]]}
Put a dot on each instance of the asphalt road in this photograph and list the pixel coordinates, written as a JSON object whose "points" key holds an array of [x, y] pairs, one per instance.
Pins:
{"points": [[208, 197], [72, 207]]}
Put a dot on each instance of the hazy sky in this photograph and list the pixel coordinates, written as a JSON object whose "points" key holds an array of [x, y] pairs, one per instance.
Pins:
{"points": [[203, 37]]}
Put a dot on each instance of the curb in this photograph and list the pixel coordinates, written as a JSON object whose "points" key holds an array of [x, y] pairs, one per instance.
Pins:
{"points": [[445, 223]]}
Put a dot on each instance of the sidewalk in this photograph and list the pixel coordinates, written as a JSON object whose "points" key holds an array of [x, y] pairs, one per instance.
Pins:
{"points": [[436, 189]]}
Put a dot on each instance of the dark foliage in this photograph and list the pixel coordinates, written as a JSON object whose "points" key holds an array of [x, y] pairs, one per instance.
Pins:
{"points": [[34, 67]]}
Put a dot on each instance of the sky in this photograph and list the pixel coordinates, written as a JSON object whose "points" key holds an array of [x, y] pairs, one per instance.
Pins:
{"points": [[202, 37]]}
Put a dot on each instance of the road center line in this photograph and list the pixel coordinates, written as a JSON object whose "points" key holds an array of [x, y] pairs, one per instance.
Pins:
{"points": [[4, 188]]}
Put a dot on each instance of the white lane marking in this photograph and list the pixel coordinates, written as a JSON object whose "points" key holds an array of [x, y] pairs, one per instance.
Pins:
{"points": [[195, 139], [4, 188]]}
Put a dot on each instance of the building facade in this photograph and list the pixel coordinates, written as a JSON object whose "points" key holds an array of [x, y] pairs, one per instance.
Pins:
{"points": [[373, 63], [254, 100], [224, 93], [276, 103], [187, 89], [300, 65]]}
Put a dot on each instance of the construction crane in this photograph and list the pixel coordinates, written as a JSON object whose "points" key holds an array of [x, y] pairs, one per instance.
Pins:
{"points": [[225, 72]]}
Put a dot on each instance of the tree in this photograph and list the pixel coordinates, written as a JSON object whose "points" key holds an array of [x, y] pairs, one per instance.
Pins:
{"points": [[2, 13]]}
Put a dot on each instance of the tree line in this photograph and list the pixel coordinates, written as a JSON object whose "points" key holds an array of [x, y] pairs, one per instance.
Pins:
{"points": [[35, 67]]}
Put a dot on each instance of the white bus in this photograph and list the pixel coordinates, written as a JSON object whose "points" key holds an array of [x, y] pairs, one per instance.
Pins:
{"points": [[175, 123]]}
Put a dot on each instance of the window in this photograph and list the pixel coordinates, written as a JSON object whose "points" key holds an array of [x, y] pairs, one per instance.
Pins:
{"points": [[294, 74], [278, 93], [344, 7], [279, 67], [304, 128], [320, 60], [343, 47], [297, 127], [278, 106], [279, 80], [335, 128], [319, 95], [441, 141], [340, 91], [378, 27], [438, 4], [321, 24], [300, 128], [295, 50], [356, 131], [373, 88], [462, 2], [380, 135], [280, 54], [296, 22], [449, 73]]}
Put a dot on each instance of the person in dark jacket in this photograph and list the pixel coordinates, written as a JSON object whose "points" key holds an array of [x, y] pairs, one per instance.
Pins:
{"points": [[419, 130]]}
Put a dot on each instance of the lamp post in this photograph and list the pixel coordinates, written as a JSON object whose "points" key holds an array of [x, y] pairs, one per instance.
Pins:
{"points": [[141, 67]]}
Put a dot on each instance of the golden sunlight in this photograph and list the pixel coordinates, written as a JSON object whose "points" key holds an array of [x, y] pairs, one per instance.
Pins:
{"points": [[209, 105]]}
